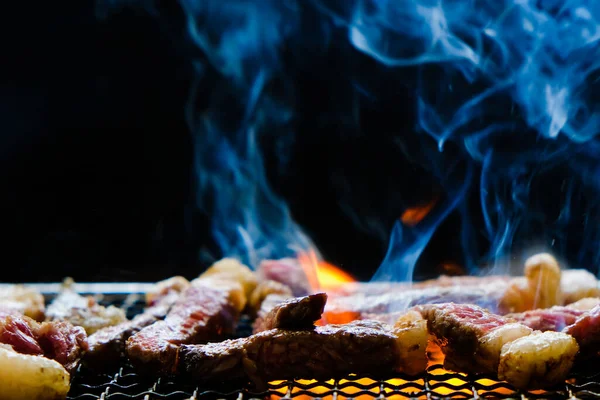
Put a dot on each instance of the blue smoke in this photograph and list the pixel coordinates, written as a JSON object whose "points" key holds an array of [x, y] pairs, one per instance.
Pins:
{"points": [[509, 86]]}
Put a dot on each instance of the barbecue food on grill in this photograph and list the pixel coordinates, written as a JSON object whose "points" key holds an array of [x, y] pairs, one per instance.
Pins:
{"points": [[330, 351], [83, 311], [470, 337], [476, 341], [18, 299], [31, 377], [538, 360], [540, 288], [262, 291], [107, 346], [208, 310], [295, 313], [288, 271], [175, 284], [586, 330], [555, 318], [231, 270], [577, 284], [548, 319], [57, 340], [203, 313], [411, 331], [498, 294]]}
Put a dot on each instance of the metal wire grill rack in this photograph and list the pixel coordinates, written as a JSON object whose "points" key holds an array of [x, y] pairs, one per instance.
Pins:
{"points": [[436, 383]]}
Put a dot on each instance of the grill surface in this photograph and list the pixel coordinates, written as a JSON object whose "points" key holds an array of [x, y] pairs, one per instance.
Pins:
{"points": [[436, 383]]}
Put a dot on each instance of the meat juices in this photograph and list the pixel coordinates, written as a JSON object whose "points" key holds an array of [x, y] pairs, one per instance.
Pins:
{"points": [[330, 351], [295, 313]]}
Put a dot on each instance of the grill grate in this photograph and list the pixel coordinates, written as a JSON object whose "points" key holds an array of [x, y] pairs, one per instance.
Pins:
{"points": [[436, 383]]}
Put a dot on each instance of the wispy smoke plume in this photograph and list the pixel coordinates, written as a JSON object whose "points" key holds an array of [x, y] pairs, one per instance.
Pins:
{"points": [[507, 89]]}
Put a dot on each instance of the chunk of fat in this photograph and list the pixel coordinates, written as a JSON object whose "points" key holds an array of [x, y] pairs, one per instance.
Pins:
{"points": [[539, 360], [27, 377]]}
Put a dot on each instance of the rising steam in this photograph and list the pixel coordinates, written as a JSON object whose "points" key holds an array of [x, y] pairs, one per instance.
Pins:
{"points": [[510, 85]]}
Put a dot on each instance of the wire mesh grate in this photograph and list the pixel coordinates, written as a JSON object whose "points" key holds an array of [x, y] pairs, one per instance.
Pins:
{"points": [[436, 383]]}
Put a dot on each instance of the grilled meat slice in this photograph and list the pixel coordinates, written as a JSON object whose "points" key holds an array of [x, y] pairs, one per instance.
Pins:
{"points": [[107, 345], [330, 351], [586, 330], [555, 318], [470, 337], [57, 340], [294, 313], [542, 359], [287, 271], [63, 342], [548, 319], [205, 311]]}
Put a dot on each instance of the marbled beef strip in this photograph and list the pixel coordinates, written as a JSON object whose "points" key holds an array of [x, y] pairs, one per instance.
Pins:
{"points": [[325, 352]]}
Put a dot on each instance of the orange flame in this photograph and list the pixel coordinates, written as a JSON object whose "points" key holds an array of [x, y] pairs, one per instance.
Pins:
{"points": [[413, 215], [322, 275]]}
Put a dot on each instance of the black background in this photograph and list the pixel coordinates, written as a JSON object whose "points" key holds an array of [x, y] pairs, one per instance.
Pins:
{"points": [[96, 155]]}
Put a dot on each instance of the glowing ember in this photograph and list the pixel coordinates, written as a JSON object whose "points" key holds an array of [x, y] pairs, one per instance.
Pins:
{"points": [[322, 275], [413, 215]]}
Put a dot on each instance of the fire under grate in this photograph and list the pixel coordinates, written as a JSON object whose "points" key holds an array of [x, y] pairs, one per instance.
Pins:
{"points": [[436, 383]]}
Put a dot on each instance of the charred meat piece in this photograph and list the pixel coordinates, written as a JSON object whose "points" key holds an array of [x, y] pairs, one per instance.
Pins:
{"points": [[107, 345], [205, 311], [586, 330], [294, 313], [330, 351], [287, 271], [20, 300], [82, 311], [470, 337], [57, 340]]}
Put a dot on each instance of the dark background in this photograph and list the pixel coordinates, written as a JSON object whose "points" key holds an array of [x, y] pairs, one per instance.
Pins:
{"points": [[96, 155]]}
